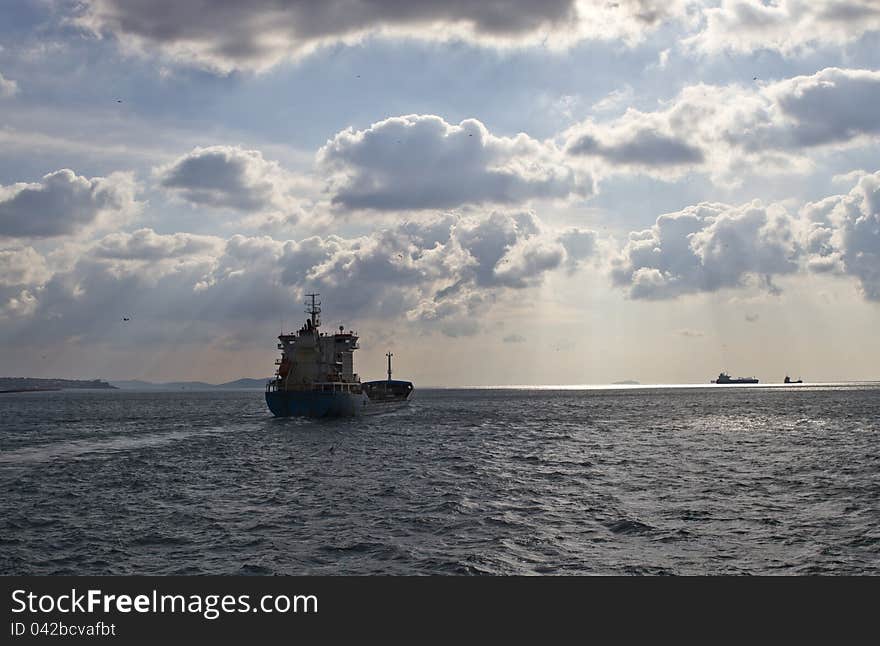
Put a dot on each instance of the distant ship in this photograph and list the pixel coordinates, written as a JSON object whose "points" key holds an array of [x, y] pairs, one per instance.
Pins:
{"points": [[789, 380], [315, 375], [725, 378]]}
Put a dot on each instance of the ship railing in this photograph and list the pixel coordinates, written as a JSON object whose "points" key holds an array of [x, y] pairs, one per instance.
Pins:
{"points": [[337, 386], [321, 386]]}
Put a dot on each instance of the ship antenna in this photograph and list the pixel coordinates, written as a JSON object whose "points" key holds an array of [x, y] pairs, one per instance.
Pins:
{"points": [[313, 309], [389, 355]]}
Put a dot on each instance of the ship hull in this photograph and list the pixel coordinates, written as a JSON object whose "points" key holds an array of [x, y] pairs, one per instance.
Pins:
{"points": [[314, 403], [327, 404]]}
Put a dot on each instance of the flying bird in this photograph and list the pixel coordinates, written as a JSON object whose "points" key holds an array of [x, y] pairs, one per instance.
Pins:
{"points": [[125, 318], [118, 100]]}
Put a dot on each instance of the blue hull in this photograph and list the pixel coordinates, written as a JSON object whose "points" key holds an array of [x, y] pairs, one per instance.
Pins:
{"points": [[314, 404]]}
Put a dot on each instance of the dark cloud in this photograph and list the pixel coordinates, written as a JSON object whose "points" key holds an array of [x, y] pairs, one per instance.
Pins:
{"points": [[228, 34], [226, 177], [642, 147], [439, 273], [62, 203], [833, 105], [579, 245], [422, 162]]}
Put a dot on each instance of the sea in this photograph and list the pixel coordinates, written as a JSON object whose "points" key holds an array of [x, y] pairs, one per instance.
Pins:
{"points": [[508, 481]]}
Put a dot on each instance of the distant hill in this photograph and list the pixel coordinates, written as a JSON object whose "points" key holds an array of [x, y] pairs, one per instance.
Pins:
{"points": [[238, 384], [24, 384], [246, 384]]}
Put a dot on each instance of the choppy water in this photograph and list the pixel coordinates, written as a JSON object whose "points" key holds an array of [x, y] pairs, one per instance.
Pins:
{"points": [[629, 481]]}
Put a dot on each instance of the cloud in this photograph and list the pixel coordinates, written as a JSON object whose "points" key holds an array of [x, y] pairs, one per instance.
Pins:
{"points": [[787, 26], [831, 106], [726, 130], [633, 141], [844, 235], [146, 244], [230, 177], [615, 99], [579, 244], [708, 247], [63, 203], [224, 36], [22, 266], [22, 271], [423, 162], [8, 87], [439, 273], [227, 35]]}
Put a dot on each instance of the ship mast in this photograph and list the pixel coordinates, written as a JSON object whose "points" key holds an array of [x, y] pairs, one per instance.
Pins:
{"points": [[389, 355], [313, 309]]}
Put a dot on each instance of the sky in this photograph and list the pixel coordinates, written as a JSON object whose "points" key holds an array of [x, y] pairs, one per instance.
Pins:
{"points": [[515, 192]]}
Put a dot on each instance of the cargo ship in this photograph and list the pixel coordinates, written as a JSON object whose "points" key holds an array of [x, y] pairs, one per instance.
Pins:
{"points": [[725, 378], [315, 375]]}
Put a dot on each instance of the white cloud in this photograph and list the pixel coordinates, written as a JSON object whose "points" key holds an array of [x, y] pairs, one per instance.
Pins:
{"points": [[616, 99], [708, 247], [844, 235], [22, 266], [63, 203], [788, 26], [725, 130], [423, 162], [146, 244], [22, 271], [8, 87]]}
